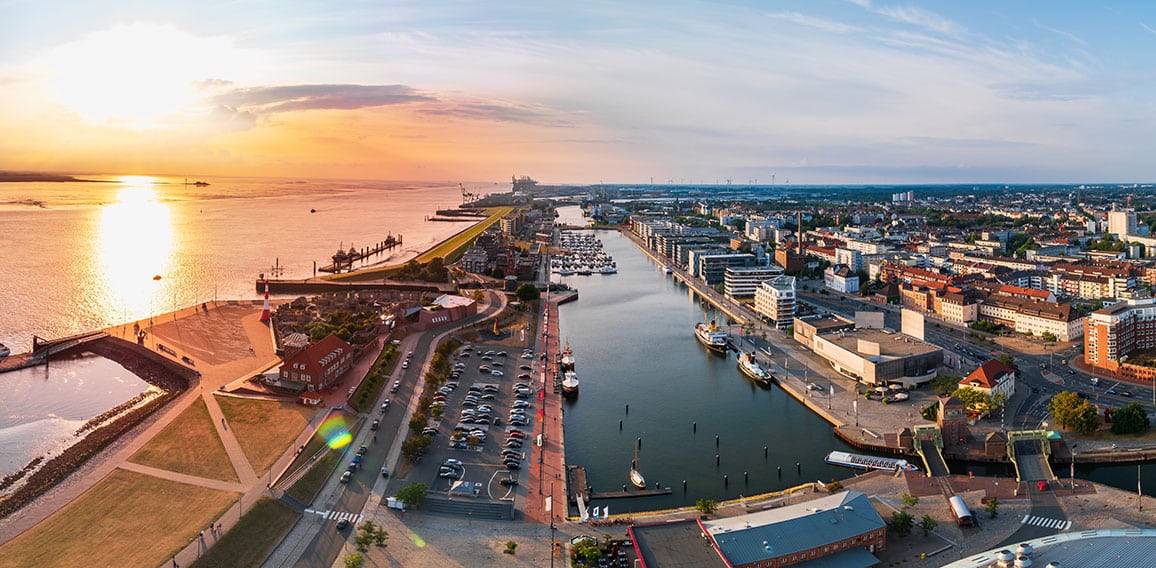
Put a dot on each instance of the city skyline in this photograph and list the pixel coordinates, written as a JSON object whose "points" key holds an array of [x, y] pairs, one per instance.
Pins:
{"points": [[809, 93]]}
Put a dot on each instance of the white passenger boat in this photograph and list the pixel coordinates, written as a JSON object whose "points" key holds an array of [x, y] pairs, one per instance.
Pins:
{"points": [[859, 461]]}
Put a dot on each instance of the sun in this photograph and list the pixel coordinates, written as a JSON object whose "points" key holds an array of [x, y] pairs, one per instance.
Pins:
{"points": [[138, 75]]}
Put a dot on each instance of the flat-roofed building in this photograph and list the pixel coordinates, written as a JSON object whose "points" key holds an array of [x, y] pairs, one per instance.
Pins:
{"points": [[775, 300], [712, 268], [741, 282], [872, 356]]}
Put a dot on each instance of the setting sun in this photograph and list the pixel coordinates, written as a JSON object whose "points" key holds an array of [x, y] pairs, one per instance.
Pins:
{"points": [[135, 76]]}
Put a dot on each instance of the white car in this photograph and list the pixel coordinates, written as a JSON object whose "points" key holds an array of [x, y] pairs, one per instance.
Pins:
{"points": [[497, 373]]}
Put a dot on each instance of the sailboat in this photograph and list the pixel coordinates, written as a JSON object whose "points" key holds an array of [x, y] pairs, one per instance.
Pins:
{"points": [[636, 478]]}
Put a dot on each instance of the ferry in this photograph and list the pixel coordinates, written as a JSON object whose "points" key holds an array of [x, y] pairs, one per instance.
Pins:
{"points": [[712, 337], [751, 368], [859, 461]]}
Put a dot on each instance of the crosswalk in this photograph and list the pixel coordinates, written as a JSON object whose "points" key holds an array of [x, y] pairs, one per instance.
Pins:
{"points": [[353, 518], [1047, 523]]}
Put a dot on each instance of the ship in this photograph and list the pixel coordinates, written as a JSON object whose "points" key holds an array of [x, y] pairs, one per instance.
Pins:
{"points": [[566, 370], [636, 478], [751, 368], [570, 383], [859, 461], [712, 337]]}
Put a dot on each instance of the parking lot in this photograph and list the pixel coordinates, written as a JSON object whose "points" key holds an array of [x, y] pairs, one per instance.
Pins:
{"points": [[481, 442]]}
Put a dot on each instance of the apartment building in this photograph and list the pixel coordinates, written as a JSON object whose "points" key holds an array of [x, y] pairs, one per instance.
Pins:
{"points": [[775, 300]]}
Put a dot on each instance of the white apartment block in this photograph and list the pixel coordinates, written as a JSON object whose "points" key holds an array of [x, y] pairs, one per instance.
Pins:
{"points": [[775, 300], [742, 282]]}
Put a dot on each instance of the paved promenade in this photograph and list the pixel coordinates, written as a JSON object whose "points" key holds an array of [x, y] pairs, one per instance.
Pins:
{"points": [[547, 472]]}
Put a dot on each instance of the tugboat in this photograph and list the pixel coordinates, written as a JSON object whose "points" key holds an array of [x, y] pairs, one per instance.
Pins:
{"points": [[712, 337], [751, 368]]}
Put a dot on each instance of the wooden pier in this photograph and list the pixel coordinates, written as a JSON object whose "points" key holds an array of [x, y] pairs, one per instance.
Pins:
{"points": [[343, 260], [576, 479]]}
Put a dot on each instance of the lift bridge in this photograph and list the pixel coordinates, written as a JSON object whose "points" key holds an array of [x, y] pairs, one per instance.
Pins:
{"points": [[1028, 450]]}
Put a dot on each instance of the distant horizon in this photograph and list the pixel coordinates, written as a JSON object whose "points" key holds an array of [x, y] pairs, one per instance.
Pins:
{"points": [[734, 184]]}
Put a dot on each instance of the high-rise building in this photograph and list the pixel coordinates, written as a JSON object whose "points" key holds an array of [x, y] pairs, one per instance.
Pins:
{"points": [[775, 300], [1122, 222]]}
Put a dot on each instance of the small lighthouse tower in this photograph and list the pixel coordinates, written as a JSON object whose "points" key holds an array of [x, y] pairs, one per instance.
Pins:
{"points": [[265, 315]]}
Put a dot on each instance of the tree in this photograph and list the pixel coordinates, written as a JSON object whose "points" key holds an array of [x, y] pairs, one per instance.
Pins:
{"points": [[527, 293], [369, 533], [992, 507], [902, 522], [586, 550], [1007, 360], [909, 500], [706, 506], [928, 524], [413, 448], [1048, 336], [1130, 419], [355, 560], [413, 494], [1074, 413], [834, 487]]}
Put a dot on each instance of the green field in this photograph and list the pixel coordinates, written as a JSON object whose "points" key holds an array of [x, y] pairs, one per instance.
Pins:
{"points": [[251, 540], [264, 428], [190, 444]]}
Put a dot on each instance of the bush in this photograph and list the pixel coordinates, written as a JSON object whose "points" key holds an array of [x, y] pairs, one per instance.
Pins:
{"points": [[902, 522], [1130, 419]]}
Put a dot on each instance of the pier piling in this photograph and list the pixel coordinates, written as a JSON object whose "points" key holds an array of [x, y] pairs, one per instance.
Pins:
{"points": [[695, 425], [716, 440], [764, 452], [798, 468], [619, 425], [780, 468], [684, 486], [716, 460], [726, 480], [746, 478]]}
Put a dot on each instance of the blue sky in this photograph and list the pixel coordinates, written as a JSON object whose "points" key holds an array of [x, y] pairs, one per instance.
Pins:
{"points": [[810, 92]]}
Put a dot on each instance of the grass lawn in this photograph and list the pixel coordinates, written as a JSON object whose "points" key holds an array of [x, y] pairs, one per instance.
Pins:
{"points": [[251, 540], [264, 428], [448, 249], [307, 487], [190, 445], [128, 519]]}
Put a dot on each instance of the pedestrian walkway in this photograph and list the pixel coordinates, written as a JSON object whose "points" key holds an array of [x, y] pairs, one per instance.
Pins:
{"points": [[354, 518], [1058, 524]]}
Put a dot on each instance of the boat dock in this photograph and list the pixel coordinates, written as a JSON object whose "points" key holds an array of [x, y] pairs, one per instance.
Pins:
{"points": [[343, 260], [580, 493]]}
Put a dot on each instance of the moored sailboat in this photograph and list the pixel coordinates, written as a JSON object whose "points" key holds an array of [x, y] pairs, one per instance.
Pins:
{"points": [[636, 478]]}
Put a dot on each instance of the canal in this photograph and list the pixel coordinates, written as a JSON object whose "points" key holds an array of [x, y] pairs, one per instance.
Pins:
{"points": [[644, 375]]}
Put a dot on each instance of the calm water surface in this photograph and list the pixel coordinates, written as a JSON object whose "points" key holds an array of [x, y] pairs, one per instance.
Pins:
{"points": [[632, 336], [41, 409]]}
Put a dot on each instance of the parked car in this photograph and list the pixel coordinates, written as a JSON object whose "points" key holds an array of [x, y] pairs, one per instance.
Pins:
{"points": [[345, 477], [342, 524], [375, 425], [396, 385]]}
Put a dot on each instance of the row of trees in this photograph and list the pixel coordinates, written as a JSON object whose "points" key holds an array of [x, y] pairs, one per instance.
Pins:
{"points": [[1073, 412]]}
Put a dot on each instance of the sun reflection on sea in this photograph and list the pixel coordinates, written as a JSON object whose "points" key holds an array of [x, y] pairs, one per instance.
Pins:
{"points": [[136, 242]]}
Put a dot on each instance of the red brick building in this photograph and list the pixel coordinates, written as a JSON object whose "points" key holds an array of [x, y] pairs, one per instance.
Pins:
{"points": [[318, 365]]}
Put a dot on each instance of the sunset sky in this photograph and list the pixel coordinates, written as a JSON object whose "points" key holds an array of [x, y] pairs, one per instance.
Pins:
{"points": [[821, 91]]}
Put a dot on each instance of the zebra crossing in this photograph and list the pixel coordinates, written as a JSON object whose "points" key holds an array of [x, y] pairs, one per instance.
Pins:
{"points": [[353, 518], [1045, 522]]}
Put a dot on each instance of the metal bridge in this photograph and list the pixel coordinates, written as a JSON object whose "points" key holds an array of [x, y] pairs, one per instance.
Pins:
{"points": [[1028, 450], [929, 446]]}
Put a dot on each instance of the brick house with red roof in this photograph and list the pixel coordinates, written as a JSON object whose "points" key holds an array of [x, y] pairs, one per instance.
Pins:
{"points": [[990, 378], [318, 365]]}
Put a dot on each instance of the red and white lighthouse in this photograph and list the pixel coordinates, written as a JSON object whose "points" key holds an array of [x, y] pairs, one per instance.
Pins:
{"points": [[265, 315]]}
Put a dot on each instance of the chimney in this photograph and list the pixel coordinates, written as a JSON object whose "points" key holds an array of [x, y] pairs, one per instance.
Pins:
{"points": [[800, 232]]}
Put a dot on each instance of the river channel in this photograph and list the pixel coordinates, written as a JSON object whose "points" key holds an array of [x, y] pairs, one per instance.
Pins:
{"points": [[632, 336]]}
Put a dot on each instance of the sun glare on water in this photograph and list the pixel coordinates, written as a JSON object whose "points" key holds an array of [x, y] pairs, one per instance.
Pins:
{"points": [[136, 242]]}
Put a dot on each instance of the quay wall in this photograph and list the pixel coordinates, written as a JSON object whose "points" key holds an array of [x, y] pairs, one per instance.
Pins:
{"points": [[319, 286]]}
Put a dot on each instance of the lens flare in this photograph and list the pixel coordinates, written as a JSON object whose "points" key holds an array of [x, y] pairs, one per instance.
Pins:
{"points": [[335, 432], [415, 539]]}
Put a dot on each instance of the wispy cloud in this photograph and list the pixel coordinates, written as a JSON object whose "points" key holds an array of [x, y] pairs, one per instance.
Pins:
{"points": [[285, 98], [812, 22], [495, 111], [1071, 36], [1147, 27], [922, 18]]}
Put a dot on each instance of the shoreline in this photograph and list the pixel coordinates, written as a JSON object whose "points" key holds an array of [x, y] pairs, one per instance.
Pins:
{"points": [[866, 432]]}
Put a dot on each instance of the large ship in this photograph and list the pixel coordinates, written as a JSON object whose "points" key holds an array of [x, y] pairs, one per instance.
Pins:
{"points": [[712, 337], [859, 461], [751, 368]]}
